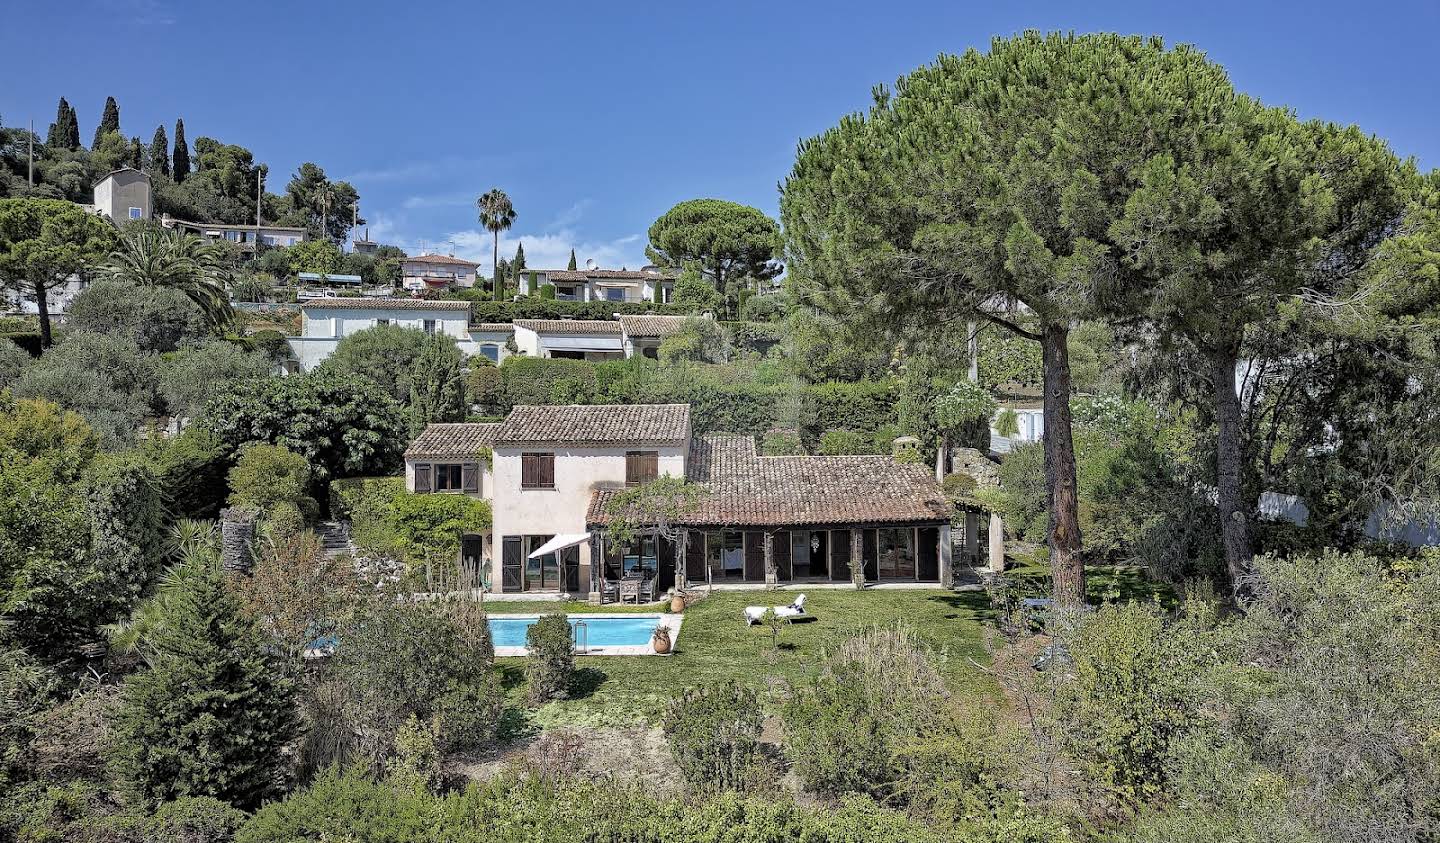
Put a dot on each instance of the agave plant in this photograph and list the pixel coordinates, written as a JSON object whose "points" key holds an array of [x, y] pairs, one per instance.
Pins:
{"points": [[151, 255]]}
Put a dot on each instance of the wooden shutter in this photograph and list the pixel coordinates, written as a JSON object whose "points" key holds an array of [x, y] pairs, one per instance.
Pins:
{"points": [[422, 477], [537, 471], [512, 565], [641, 467], [470, 477]]}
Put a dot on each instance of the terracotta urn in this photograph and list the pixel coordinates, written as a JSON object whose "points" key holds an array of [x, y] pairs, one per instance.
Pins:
{"points": [[661, 640], [677, 603]]}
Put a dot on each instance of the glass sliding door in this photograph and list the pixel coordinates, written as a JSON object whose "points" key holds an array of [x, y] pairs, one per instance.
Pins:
{"points": [[542, 573], [897, 553]]}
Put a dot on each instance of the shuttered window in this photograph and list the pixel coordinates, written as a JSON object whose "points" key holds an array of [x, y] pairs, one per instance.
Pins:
{"points": [[641, 467], [537, 471], [447, 478], [470, 477], [422, 477]]}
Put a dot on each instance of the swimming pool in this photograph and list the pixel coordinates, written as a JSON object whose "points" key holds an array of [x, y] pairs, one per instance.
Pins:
{"points": [[599, 635]]}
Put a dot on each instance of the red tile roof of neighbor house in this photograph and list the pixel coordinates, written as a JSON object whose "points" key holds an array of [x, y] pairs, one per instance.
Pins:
{"points": [[569, 326], [358, 303], [748, 490], [445, 259], [452, 440], [497, 327], [596, 425], [652, 327]]}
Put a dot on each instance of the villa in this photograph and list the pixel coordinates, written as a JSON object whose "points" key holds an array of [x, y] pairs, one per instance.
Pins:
{"points": [[437, 272], [550, 473], [593, 284], [326, 321]]}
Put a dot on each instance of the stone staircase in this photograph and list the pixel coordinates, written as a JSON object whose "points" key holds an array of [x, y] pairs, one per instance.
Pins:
{"points": [[335, 536]]}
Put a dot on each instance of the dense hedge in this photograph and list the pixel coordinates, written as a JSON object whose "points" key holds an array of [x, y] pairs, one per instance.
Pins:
{"points": [[718, 402], [534, 307], [758, 337], [534, 380]]}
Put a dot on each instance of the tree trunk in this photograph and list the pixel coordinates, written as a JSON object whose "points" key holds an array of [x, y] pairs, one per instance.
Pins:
{"points": [[1229, 471], [495, 265], [42, 307], [1066, 565]]}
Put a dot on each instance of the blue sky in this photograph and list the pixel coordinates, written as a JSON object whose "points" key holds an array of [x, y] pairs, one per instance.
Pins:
{"points": [[597, 117]]}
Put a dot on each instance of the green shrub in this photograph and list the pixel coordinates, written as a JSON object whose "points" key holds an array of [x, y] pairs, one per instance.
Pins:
{"points": [[714, 734], [430, 526], [484, 386], [755, 336], [551, 660], [837, 442], [399, 660], [274, 482], [352, 495], [27, 340], [699, 341], [192, 819], [780, 442], [874, 720], [547, 291], [272, 344], [1009, 359]]}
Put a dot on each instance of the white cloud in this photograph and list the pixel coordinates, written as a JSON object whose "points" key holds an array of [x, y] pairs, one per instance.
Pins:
{"points": [[446, 200]]}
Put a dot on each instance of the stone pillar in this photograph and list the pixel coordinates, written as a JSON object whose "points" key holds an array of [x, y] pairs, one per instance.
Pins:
{"points": [[997, 543], [947, 558], [681, 548], [972, 538], [772, 578], [597, 561], [237, 534]]}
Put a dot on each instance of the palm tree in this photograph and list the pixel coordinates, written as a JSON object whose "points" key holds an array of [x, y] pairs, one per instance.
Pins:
{"points": [[324, 197], [497, 214], [150, 255]]}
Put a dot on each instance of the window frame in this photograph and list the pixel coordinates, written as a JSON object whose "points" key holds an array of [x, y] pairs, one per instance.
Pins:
{"points": [[443, 477], [536, 478], [136, 213]]}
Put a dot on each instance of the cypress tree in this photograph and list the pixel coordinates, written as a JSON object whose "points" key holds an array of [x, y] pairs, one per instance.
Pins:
{"points": [[109, 121], [160, 151], [519, 262], [214, 712], [72, 128], [137, 153], [181, 167], [572, 267], [52, 137]]}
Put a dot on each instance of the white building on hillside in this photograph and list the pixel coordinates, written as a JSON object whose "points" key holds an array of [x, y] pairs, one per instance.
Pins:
{"points": [[324, 322], [600, 284]]}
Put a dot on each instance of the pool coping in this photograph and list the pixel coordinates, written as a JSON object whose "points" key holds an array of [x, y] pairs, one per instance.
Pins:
{"points": [[669, 620]]}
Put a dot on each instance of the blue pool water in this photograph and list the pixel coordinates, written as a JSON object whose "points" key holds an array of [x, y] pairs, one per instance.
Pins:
{"points": [[617, 631]]}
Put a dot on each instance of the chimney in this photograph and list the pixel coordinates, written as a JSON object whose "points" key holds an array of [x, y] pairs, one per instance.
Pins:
{"points": [[903, 447]]}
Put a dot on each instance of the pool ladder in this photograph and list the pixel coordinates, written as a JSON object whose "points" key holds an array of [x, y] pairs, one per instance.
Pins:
{"points": [[582, 637]]}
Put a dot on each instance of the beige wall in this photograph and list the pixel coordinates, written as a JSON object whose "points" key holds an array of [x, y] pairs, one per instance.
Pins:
{"points": [[578, 472]]}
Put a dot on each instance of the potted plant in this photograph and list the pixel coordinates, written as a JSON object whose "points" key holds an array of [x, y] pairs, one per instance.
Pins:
{"points": [[661, 639]]}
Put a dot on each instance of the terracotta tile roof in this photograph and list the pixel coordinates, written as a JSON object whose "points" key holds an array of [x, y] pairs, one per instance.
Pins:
{"points": [[652, 327], [570, 326], [603, 274], [599, 425], [349, 303], [746, 490], [445, 259], [499, 327], [452, 440]]}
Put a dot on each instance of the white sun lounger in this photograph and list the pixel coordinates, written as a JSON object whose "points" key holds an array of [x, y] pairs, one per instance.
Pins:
{"points": [[753, 614]]}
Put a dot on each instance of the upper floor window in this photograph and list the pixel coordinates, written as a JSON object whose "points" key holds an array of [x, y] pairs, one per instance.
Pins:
{"points": [[537, 471], [641, 467], [135, 213]]}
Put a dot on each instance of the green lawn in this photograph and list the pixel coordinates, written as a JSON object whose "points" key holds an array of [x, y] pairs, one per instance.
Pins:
{"points": [[715, 645]]}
